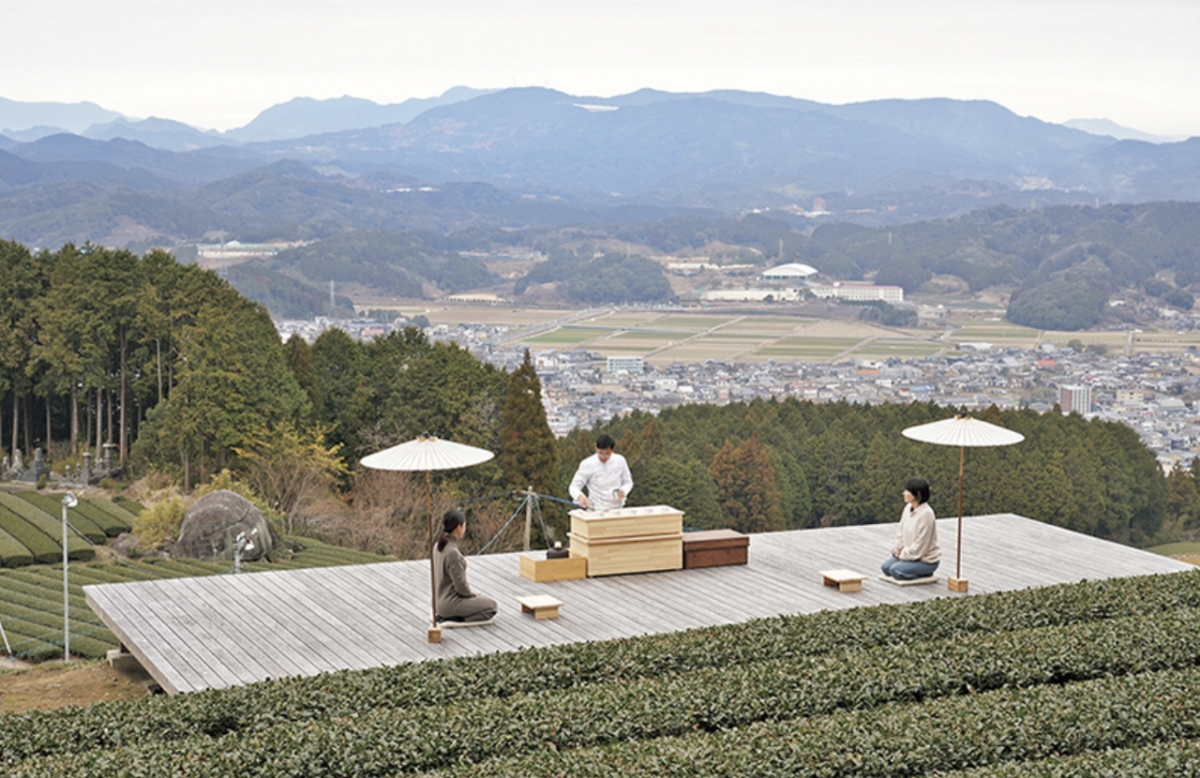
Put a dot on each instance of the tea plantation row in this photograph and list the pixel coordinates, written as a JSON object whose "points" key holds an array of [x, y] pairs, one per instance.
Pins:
{"points": [[31, 598], [31, 527], [940, 685]]}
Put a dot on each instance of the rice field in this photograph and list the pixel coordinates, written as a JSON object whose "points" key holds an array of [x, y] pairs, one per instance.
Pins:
{"points": [[905, 349], [664, 336], [566, 336], [1168, 340], [625, 319], [1114, 340]]}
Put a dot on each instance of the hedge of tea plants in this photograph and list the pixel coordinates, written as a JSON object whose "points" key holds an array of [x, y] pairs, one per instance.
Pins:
{"points": [[1092, 671], [31, 527]]}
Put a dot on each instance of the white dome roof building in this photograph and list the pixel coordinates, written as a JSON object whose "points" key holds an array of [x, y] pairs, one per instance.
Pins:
{"points": [[793, 271]]}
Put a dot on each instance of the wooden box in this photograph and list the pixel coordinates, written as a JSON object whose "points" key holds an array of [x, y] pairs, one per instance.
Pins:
{"points": [[626, 522], [540, 570], [613, 556], [715, 548]]}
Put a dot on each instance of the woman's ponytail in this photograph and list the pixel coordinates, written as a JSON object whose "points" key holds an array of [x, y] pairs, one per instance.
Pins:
{"points": [[451, 521]]}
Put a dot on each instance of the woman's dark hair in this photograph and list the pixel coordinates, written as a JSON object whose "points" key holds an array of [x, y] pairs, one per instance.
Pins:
{"points": [[919, 488], [451, 521], [606, 441]]}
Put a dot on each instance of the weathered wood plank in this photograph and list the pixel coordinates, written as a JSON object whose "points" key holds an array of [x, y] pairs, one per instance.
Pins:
{"points": [[195, 633]]}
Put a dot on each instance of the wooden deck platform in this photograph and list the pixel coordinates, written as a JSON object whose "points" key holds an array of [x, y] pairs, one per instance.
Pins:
{"points": [[199, 633]]}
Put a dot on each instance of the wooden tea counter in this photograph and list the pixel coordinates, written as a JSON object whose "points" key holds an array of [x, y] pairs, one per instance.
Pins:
{"points": [[628, 540]]}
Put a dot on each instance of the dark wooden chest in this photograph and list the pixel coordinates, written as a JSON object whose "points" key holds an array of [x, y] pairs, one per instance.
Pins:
{"points": [[715, 548]]}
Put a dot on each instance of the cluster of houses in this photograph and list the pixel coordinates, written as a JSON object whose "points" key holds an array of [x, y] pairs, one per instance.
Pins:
{"points": [[1150, 392]]}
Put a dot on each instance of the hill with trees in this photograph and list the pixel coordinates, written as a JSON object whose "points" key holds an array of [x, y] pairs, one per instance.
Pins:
{"points": [[775, 465], [182, 374]]}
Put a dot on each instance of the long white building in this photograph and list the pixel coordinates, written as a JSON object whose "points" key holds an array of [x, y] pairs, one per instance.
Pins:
{"points": [[849, 291]]}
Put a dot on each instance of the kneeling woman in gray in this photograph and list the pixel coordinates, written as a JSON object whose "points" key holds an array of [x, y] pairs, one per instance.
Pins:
{"points": [[455, 600], [915, 554]]}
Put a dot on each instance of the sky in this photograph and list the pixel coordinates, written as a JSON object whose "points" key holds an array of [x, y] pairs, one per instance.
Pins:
{"points": [[216, 64]]}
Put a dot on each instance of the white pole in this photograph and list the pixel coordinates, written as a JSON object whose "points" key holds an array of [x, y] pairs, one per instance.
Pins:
{"points": [[68, 501], [66, 592], [11, 659]]}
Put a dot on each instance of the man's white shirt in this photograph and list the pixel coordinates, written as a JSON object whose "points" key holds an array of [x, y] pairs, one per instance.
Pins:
{"points": [[601, 480]]}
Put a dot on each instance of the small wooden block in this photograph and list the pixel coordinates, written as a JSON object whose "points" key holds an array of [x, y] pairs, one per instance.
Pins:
{"points": [[958, 584], [844, 580], [542, 606], [435, 634], [541, 570]]}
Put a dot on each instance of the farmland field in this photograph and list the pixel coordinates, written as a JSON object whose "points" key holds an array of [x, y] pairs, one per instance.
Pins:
{"points": [[565, 336], [627, 319], [1168, 340], [905, 349], [1113, 340], [634, 332]]}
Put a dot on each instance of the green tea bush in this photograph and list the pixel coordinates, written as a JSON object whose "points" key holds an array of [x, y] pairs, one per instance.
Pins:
{"points": [[12, 552], [1178, 757], [45, 550], [49, 522], [1009, 727], [649, 737], [124, 502], [591, 694], [112, 509]]}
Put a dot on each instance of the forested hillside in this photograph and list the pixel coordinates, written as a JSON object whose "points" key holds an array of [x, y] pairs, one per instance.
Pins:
{"points": [[184, 375], [165, 361], [1062, 263], [772, 465]]}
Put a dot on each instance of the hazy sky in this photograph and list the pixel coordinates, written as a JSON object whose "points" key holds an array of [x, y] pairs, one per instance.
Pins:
{"points": [[218, 63]]}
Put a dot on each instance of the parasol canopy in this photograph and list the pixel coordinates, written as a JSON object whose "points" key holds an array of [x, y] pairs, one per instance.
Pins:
{"points": [[963, 431], [425, 454]]}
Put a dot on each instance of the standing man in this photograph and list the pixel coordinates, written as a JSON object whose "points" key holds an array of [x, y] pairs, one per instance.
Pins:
{"points": [[606, 476]]}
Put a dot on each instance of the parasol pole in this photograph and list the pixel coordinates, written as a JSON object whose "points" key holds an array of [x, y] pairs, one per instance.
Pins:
{"points": [[962, 456], [432, 572]]}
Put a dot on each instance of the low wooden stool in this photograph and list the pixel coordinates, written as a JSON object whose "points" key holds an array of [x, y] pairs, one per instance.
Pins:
{"points": [[844, 580], [542, 606]]}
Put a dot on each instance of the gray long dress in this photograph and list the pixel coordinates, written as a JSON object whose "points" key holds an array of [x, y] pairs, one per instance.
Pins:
{"points": [[454, 596]]}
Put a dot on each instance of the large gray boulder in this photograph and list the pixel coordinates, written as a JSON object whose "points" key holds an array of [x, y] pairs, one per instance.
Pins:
{"points": [[212, 524]]}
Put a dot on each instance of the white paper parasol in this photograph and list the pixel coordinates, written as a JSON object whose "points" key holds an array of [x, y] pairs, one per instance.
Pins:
{"points": [[962, 431], [427, 454]]}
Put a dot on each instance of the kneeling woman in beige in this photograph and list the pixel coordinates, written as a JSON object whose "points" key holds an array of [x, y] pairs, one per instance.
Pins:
{"points": [[456, 603], [915, 554]]}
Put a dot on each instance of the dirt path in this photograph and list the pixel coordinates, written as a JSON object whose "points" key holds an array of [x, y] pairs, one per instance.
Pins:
{"points": [[50, 685]]}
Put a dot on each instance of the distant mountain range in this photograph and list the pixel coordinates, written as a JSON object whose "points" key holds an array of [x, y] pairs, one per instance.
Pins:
{"points": [[535, 157], [296, 118]]}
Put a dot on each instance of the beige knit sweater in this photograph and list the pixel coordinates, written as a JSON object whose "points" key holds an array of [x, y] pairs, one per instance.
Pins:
{"points": [[916, 537]]}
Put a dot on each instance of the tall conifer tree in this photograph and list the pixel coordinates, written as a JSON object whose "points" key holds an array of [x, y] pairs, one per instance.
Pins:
{"points": [[528, 454]]}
